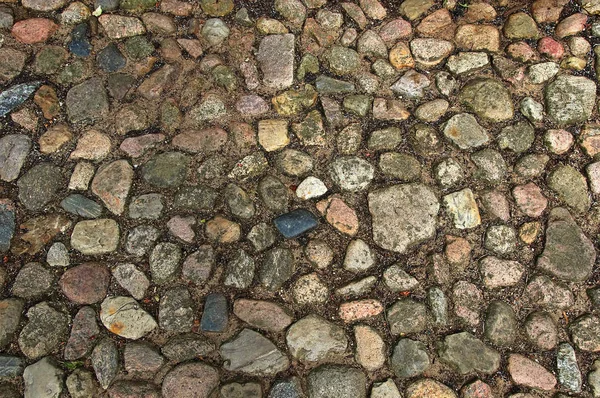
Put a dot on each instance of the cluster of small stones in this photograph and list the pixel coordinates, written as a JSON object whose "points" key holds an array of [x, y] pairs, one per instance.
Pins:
{"points": [[299, 198]]}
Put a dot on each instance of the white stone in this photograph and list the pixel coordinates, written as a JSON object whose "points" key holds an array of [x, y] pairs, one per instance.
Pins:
{"points": [[311, 187]]}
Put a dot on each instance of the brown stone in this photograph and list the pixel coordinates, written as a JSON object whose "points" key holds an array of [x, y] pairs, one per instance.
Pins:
{"points": [[475, 37], [86, 283], [34, 30], [262, 314], [47, 100]]}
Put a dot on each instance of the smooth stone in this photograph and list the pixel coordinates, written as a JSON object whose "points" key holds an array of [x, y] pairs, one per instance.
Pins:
{"points": [[15, 95], [81, 206], [295, 223], [215, 314]]}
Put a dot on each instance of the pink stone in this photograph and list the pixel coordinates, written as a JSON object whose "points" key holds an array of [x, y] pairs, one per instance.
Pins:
{"points": [[182, 228], [137, 146], [477, 389], [356, 310], [530, 200], [551, 48], [394, 30], [176, 7], [528, 373], [251, 105], [571, 25], [192, 46], [339, 215], [34, 30]]}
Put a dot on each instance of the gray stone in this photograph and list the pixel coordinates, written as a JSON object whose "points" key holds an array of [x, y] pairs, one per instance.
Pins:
{"points": [[239, 202], [464, 131], [105, 361], [32, 281], [81, 206], [594, 378], [94, 237], [131, 279], [198, 198], [43, 379], [83, 334], [278, 266], [488, 99], [438, 302], [517, 137], [569, 375], [10, 367], [276, 59], [184, 347], [314, 339], [274, 194], [491, 166], [34, 339], [568, 254], [262, 236], [142, 360], [237, 390], [176, 310], [501, 325], [14, 149], [164, 262], [466, 354], [140, 239], [166, 170], [82, 384], [253, 354], [198, 266], [501, 239], [409, 358], [58, 255], [403, 216], [337, 381], [407, 316], [87, 102], [570, 99], [385, 389], [39, 185], [148, 206], [585, 333], [14, 96], [193, 379], [288, 388]]}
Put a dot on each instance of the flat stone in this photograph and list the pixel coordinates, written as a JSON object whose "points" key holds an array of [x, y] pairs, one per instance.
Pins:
{"points": [[14, 149], [392, 227], [410, 358], [215, 313], [194, 378], [501, 325], [94, 237], [477, 95], [112, 184], [464, 131], [119, 26], [429, 52], [131, 279], [278, 266], [262, 314], [10, 367], [568, 254], [164, 262], [10, 311], [407, 316], [14, 96], [166, 170], [314, 339], [34, 339], [295, 223], [370, 347], [337, 380], [87, 102], [39, 185], [429, 388], [142, 359], [466, 354], [497, 272], [463, 208], [105, 361], [176, 310], [570, 99], [253, 354], [34, 30], [569, 375], [43, 379], [528, 373], [585, 333], [276, 60], [83, 334], [124, 317]]}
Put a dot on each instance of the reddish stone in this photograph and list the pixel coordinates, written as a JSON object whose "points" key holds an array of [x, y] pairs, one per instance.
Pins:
{"points": [[182, 227], [205, 140], [83, 333], [528, 373], [439, 24], [356, 310], [394, 30], [477, 389], [86, 283], [458, 251], [47, 100], [530, 200], [137, 146], [339, 215], [551, 48], [34, 30], [547, 10], [176, 7]]}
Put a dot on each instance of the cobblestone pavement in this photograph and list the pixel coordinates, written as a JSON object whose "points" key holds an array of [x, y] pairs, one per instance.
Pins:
{"points": [[299, 198]]}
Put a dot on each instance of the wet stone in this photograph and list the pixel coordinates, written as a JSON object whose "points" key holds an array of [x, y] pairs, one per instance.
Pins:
{"points": [[87, 102]]}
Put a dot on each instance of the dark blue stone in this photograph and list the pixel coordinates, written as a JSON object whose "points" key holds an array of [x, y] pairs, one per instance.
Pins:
{"points": [[295, 223], [215, 315], [80, 205], [110, 58], [80, 42], [15, 96], [10, 366], [7, 225]]}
